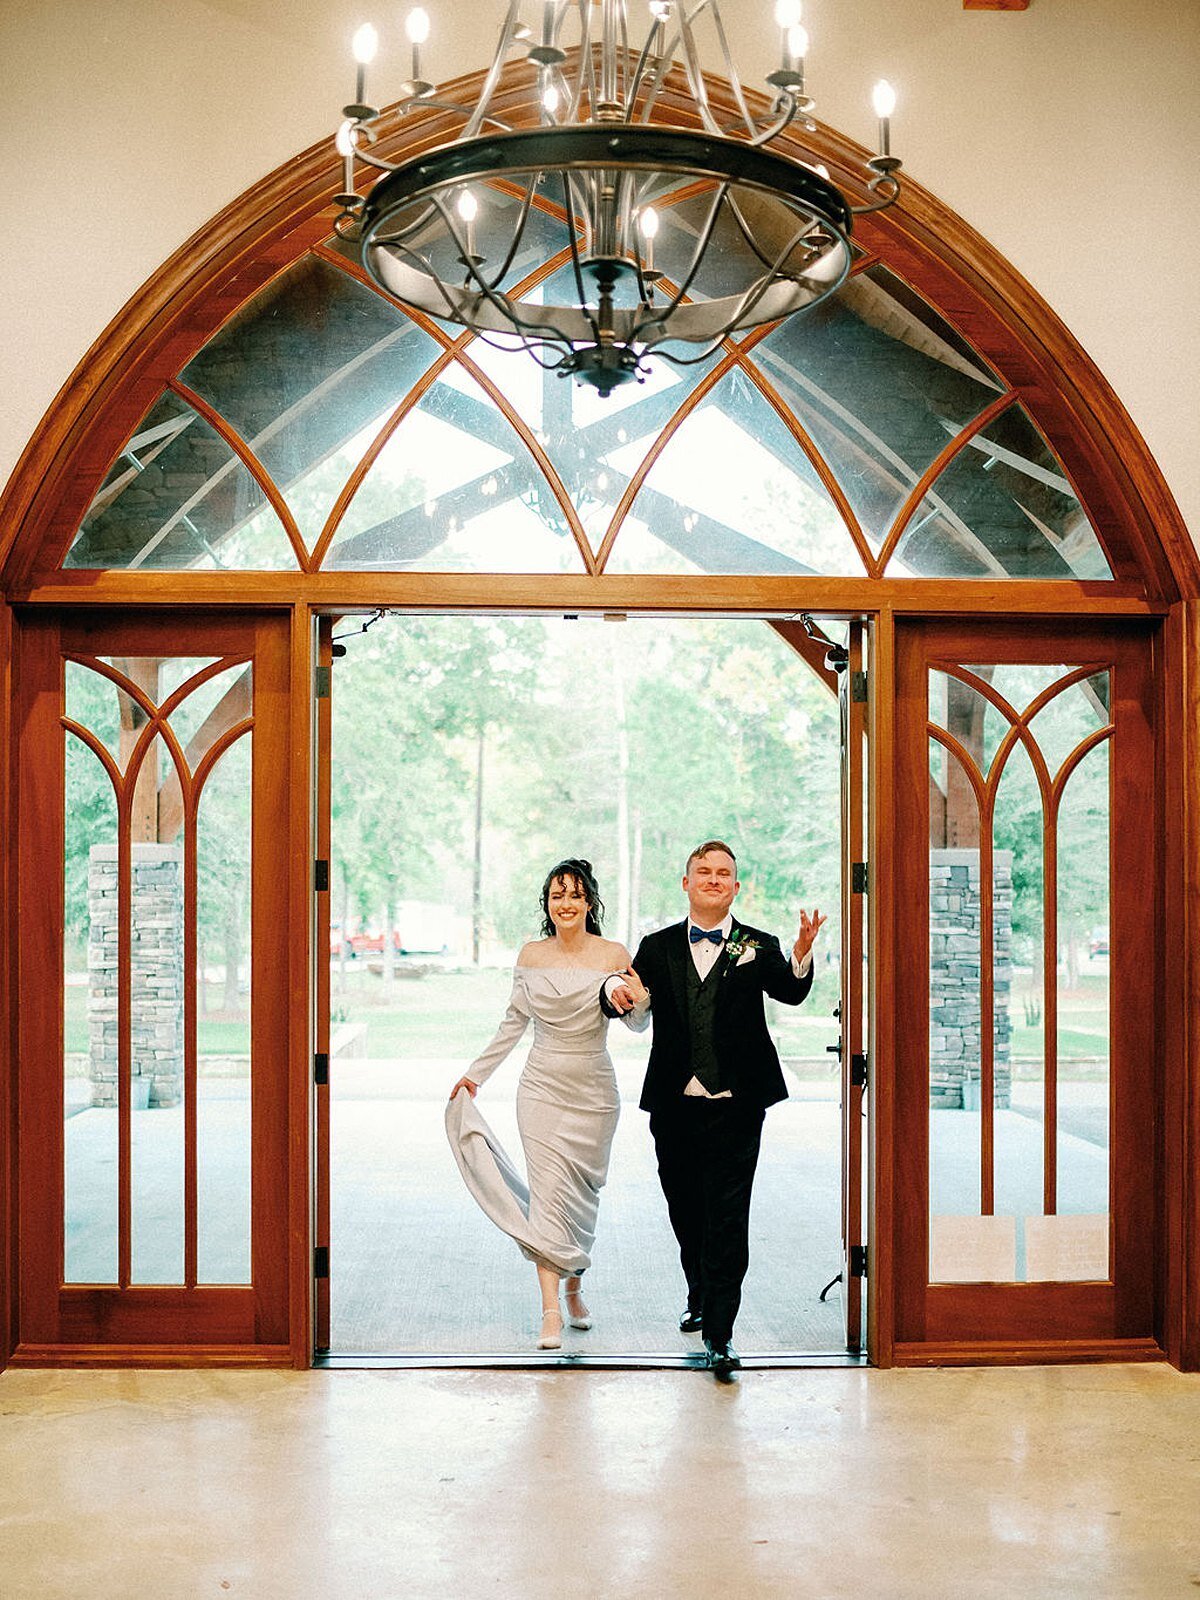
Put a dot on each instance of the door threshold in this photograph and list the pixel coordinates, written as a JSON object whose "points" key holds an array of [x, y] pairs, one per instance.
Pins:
{"points": [[538, 1361]]}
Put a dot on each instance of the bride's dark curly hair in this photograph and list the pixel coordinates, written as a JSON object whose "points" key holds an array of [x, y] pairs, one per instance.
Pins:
{"points": [[580, 873]]}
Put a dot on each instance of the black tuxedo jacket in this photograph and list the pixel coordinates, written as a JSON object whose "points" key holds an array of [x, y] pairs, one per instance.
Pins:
{"points": [[749, 1060]]}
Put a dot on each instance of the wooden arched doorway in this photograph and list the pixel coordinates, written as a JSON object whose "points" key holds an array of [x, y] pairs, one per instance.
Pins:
{"points": [[213, 559]]}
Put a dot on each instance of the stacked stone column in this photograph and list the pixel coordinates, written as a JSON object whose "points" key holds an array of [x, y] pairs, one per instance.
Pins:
{"points": [[156, 953], [954, 969]]}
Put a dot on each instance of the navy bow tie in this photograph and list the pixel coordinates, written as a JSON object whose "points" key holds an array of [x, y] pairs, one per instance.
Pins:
{"points": [[696, 934]]}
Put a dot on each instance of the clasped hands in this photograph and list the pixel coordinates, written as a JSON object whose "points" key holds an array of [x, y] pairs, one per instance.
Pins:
{"points": [[630, 992]]}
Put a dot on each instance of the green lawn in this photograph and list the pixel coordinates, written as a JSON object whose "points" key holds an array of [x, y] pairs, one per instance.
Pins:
{"points": [[452, 1015]]}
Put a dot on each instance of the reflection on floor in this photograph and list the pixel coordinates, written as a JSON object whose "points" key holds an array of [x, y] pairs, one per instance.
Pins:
{"points": [[416, 1266], [1067, 1483]]}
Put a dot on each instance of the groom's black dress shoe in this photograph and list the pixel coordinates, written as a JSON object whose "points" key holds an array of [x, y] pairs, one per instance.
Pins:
{"points": [[691, 1321], [723, 1360]]}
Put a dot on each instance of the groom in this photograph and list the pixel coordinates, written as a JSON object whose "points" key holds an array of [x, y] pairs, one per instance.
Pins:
{"points": [[712, 1073]]}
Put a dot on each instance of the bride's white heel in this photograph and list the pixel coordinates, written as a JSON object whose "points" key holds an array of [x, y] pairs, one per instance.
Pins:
{"points": [[552, 1327], [578, 1314]]}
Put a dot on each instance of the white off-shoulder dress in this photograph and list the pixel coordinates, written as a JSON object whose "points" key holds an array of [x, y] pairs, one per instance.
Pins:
{"points": [[567, 1109]]}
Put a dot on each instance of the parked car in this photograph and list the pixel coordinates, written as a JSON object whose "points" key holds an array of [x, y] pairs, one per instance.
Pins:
{"points": [[1098, 942]]}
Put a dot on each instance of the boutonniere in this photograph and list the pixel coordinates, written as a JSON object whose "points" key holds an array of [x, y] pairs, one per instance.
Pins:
{"points": [[739, 949]]}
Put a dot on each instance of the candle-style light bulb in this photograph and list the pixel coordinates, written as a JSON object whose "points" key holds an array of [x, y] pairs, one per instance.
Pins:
{"points": [[883, 97], [364, 45], [797, 49], [550, 98], [468, 209], [416, 26], [344, 140], [787, 15], [648, 223]]}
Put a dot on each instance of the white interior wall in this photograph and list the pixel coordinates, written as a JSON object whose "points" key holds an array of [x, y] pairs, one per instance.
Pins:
{"points": [[1066, 134]]}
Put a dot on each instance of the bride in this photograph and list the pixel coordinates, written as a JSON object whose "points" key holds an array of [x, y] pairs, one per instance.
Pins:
{"points": [[567, 1100]]}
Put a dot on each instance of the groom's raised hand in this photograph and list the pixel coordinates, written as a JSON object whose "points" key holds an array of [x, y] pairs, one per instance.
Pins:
{"points": [[810, 927]]}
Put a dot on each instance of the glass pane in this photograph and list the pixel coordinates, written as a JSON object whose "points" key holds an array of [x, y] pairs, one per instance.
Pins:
{"points": [[210, 709], [1083, 1009], [183, 501], [1004, 508], [1067, 720], [156, 959], [307, 373], [223, 1021], [1017, 923], [593, 443], [451, 491], [733, 492], [1046, 1225], [89, 1016], [879, 382], [954, 951]]}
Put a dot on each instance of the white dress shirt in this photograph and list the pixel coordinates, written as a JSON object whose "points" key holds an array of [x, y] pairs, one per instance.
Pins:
{"points": [[704, 955]]}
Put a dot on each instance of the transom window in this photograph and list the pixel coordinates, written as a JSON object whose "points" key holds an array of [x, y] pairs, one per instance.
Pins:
{"points": [[325, 428]]}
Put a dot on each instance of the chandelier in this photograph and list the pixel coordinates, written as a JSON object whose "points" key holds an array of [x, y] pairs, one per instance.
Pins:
{"points": [[668, 238]]}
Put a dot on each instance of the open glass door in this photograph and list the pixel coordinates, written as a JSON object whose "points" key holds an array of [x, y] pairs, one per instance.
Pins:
{"points": [[153, 983], [852, 693], [1027, 1062], [320, 949]]}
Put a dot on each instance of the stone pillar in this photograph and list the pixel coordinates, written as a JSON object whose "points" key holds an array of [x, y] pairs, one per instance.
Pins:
{"points": [[954, 1048], [157, 974]]}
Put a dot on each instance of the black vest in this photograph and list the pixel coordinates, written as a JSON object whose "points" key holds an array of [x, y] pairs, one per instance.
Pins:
{"points": [[702, 1011]]}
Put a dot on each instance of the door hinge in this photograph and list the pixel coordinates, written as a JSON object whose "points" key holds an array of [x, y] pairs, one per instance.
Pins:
{"points": [[858, 1071], [324, 682], [321, 1261], [858, 687], [321, 1068], [858, 1260], [859, 878], [320, 876]]}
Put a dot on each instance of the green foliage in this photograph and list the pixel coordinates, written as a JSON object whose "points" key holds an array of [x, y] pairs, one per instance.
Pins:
{"points": [[712, 729]]}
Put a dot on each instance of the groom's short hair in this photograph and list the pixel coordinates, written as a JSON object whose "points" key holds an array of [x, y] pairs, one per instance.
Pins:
{"points": [[703, 849]]}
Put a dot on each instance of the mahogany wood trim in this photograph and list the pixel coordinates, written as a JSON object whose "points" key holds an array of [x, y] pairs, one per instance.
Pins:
{"points": [[151, 1355], [289, 212], [854, 732], [271, 991], [885, 951], [1025, 1352], [633, 592], [1179, 863], [252, 464], [1125, 1307], [37, 997], [9, 1258]]}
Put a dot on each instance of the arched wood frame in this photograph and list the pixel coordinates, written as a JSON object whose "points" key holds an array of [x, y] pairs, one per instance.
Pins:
{"points": [[1156, 569], [261, 233]]}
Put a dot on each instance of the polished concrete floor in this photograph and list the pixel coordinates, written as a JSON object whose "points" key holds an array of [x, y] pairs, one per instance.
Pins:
{"points": [[1034, 1483]]}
